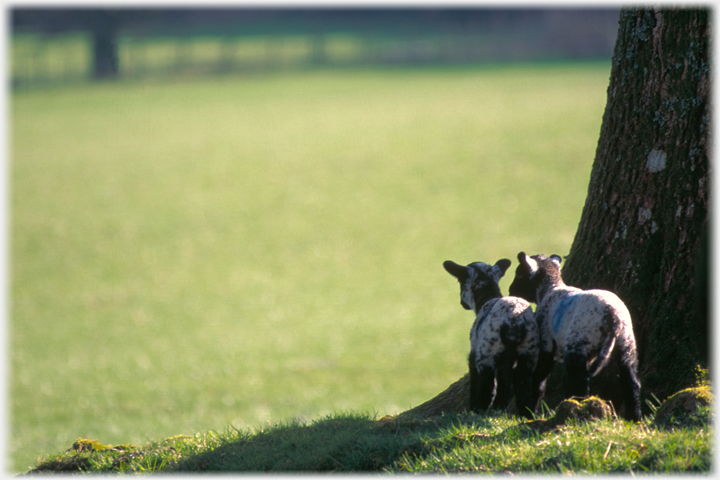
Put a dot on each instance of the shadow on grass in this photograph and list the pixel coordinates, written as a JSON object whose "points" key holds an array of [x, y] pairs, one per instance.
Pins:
{"points": [[348, 443]]}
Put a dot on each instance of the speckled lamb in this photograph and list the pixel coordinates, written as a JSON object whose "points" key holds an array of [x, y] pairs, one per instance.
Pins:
{"points": [[582, 328], [504, 342]]}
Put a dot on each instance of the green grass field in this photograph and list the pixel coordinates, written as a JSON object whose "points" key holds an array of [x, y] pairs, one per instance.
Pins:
{"points": [[188, 255]]}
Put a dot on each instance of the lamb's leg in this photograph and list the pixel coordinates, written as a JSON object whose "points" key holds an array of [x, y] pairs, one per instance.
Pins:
{"points": [[482, 383], [630, 386], [503, 365], [486, 385], [542, 371], [577, 378], [523, 386], [474, 383]]}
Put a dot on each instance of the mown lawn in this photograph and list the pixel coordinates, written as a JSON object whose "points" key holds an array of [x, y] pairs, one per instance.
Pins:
{"points": [[196, 254]]}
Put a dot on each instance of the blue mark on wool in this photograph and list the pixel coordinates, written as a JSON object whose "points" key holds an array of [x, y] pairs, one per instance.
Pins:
{"points": [[565, 303]]}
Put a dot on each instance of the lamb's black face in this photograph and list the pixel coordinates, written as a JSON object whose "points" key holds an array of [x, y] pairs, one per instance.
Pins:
{"points": [[531, 271], [526, 279], [478, 281]]}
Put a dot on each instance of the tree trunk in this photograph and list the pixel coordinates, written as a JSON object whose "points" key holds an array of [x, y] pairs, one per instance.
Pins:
{"points": [[647, 205], [642, 233], [454, 399], [103, 29]]}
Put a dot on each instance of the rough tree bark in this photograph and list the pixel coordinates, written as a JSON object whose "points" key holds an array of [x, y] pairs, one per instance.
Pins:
{"points": [[647, 205], [454, 399], [646, 211]]}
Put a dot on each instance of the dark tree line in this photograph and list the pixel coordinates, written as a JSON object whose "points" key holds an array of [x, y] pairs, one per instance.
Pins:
{"points": [[578, 32]]}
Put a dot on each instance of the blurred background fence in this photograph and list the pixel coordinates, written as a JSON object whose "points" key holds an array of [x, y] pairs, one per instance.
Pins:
{"points": [[50, 46]]}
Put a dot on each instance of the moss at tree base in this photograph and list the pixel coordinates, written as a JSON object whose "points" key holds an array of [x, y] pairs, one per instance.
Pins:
{"points": [[689, 407]]}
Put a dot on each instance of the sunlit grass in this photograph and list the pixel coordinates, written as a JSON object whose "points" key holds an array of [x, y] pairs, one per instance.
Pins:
{"points": [[486, 443], [187, 255], [601, 447], [38, 58], [66, 57]]}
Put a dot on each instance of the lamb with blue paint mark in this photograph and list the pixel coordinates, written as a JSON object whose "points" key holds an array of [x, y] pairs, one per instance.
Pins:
{"points": [[585, 329], [504, 342]]}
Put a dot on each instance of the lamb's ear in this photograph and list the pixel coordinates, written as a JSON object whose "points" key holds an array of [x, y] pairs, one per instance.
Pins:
{"points": [[522, 258], [501, 267], [528, 262], [556, 260], [458, 271]]}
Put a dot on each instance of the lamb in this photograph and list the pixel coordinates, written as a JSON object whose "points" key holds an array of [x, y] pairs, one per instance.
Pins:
{"points": [[504, 338], [578, 326]]}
